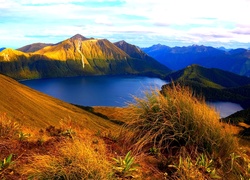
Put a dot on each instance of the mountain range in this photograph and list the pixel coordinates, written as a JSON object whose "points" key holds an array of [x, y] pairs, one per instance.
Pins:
{"points": [[77, 56], [176, 58]]}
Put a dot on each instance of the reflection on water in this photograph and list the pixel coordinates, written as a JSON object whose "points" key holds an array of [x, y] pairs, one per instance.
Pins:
{"points": [[226, 108]]}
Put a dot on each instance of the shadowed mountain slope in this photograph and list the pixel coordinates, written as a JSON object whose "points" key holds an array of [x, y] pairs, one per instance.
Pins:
{"points": [[34, 109], [135, 52]]}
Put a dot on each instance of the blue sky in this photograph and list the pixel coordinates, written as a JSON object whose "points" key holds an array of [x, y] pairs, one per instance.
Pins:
{"points": [[140, 22]]}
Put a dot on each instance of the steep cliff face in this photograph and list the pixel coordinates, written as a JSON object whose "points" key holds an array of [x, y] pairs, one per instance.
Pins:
{"points": [[77, 56]]}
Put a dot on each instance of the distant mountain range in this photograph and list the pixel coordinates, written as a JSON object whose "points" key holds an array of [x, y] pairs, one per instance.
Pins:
{"points": [[214, 84], [78, 56], [1, 49], [176, 58]]}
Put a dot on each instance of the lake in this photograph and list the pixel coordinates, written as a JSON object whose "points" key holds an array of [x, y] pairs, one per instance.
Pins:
{"points": [[108, 90], [225, 108], [96, 90]]}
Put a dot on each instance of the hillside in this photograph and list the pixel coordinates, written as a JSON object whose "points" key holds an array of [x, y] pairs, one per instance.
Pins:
{"points": [[176, 58], [33, 47], [77, 56], [161, 138], [215, 84], [36, 110]]}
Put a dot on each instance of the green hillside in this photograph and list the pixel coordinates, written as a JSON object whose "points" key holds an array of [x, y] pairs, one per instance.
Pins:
{"points": [[214, 84]]}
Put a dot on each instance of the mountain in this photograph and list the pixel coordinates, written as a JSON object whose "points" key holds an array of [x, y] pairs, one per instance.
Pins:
{"points": [[37, 110], [223, 48], [135, 52], [33, 47], [214, 84], [77, 56], [176, 58], [1, 49]]}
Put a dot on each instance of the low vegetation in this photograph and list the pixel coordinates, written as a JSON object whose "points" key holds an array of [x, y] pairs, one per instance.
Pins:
{"points": [[167, 135]]}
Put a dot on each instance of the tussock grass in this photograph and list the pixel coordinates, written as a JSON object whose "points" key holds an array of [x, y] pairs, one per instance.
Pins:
{"points": [[174, 119], [8, 127], [82, 158], [184, 135]]}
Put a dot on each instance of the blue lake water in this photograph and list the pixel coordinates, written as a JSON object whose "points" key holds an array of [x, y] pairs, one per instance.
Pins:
{"points": [[96, 90], [225, 108], [108, 90]]}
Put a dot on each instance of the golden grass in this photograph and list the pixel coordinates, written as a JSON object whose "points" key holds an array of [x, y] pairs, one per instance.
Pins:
{"points": [[177, 119], [82, 158], [185, 137], [173, 136], [8, 128], [37, 110]]}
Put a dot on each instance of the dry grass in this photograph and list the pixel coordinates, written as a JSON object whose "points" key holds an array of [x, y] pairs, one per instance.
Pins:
{"points": [[185, 137], [177, 119], [33, 109], [175, 136], [8, 128], [63, 152], [82, 158]]}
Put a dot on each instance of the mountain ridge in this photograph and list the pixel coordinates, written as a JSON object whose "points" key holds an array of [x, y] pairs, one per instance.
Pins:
{"points": [[33, 47], [176, 58], [77, 56]]}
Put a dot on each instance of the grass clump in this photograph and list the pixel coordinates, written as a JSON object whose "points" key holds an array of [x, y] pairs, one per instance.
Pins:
{"points": [[177, 119], [81, 158], [190, 140], [8, 127]]}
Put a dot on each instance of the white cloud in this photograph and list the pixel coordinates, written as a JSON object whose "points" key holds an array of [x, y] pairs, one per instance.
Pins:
{"points": [[180, 20]]}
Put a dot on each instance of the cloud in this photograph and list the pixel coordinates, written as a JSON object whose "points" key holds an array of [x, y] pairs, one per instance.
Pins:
{"points": [[151, 21], [103, 19]]}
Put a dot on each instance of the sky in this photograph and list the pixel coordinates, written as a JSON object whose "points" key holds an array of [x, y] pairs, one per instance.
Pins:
{"points": [[140, 22]]}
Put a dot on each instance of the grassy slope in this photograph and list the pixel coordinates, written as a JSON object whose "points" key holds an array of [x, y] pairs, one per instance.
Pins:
{"points": [[214, 78], [84, 153], [35, 109], [215, 84]]}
